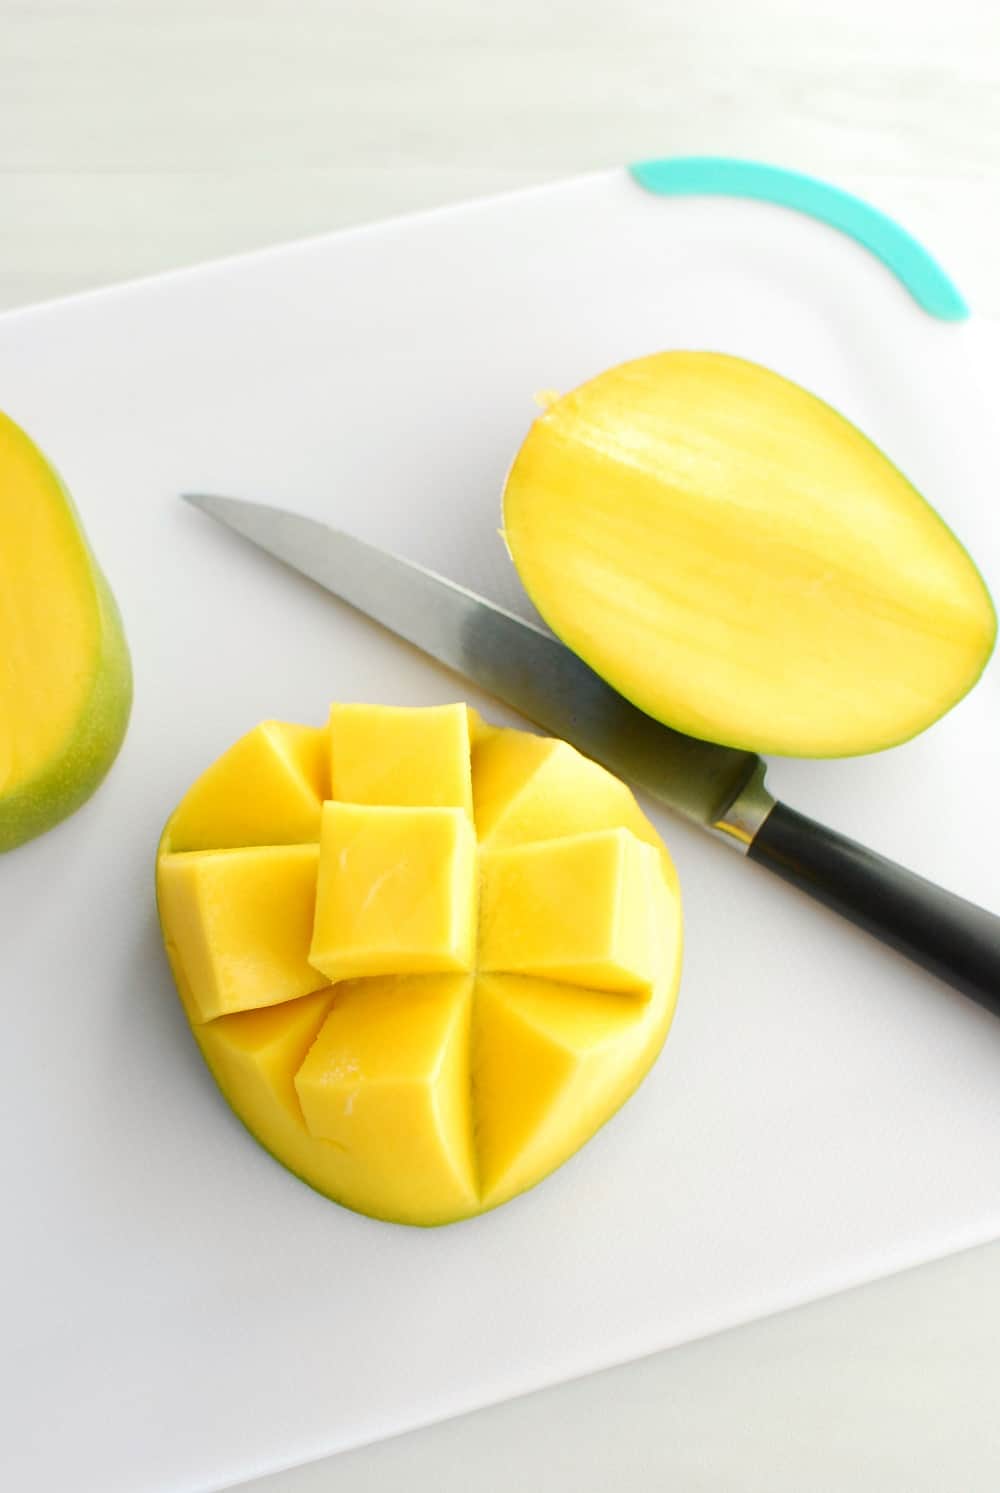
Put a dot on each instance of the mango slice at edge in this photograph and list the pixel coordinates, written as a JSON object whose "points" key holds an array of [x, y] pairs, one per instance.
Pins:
{"points": [[551, 1064], [240, 921], [266, 789], [386, 1082], [66, 690]]}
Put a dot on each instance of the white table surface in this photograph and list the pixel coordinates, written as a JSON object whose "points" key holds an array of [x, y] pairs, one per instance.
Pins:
{"points": [[137, 135]]}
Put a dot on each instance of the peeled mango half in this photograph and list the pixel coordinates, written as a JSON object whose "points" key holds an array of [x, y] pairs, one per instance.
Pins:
{"points": [[65, 674], [424, 958], [742, 563]]}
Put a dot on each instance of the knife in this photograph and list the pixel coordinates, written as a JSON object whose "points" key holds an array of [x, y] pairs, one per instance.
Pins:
{"points": [[718, 788]]}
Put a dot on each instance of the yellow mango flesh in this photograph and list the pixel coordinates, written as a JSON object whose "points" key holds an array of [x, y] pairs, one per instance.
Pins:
{"points": [[65, 674], [241, 922], [401, 758], [535, 788], [554, 942], [546, 1059], [741, 562], [575, 910], [267, 789], [396, 891], [255, 1056], [387, 1081]]}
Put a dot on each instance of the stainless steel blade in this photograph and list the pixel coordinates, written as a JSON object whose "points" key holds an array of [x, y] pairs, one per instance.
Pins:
{"points": [[516, 661]]}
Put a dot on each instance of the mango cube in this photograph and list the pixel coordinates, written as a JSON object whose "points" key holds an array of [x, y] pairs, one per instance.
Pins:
{"points": [[267, 789], [420, 757], [530, 788], [261, 1051], [387, 1082], [396, 893], [241, 922], [545, 1057], [576, 910]]}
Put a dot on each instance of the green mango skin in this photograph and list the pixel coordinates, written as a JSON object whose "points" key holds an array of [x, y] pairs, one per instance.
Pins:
{"points": [[67, 779]]}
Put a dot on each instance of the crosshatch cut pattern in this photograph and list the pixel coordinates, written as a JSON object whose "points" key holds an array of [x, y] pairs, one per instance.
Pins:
{"points": [[425, 958]]}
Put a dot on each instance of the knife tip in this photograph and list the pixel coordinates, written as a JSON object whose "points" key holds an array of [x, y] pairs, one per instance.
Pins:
{"points": [[210, 503]]}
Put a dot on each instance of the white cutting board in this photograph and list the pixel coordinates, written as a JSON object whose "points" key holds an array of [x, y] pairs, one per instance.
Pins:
{"points": [[178, 1311]]}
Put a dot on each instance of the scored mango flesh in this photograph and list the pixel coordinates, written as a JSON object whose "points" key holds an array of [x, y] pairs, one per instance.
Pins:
{"points": [[455, 974], [737, 559]]}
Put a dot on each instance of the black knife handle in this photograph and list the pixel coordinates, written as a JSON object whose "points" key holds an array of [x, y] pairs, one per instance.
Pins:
{"points": [[954, 939]]}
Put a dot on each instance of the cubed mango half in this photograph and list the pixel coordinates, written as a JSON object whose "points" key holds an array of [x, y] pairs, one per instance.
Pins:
{"points": [[459, 973]]}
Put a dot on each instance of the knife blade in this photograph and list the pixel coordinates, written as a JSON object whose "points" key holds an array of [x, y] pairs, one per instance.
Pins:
{"points": [[719, 788], [518, 662]]}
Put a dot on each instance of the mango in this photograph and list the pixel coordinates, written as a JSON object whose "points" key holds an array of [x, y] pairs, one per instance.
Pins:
{"points": [[396, 891], [387, 1082], [462, 970], [600, 936], [241, 921], [65, 672], [267, 789], [741, 562], [399, 758]]}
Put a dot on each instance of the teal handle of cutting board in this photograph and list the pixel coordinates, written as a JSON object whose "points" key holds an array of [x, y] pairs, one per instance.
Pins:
{"points": [[908, 260]]}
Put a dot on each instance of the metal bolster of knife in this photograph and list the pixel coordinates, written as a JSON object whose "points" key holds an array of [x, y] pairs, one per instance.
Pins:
{"points": [[741, 819]]}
